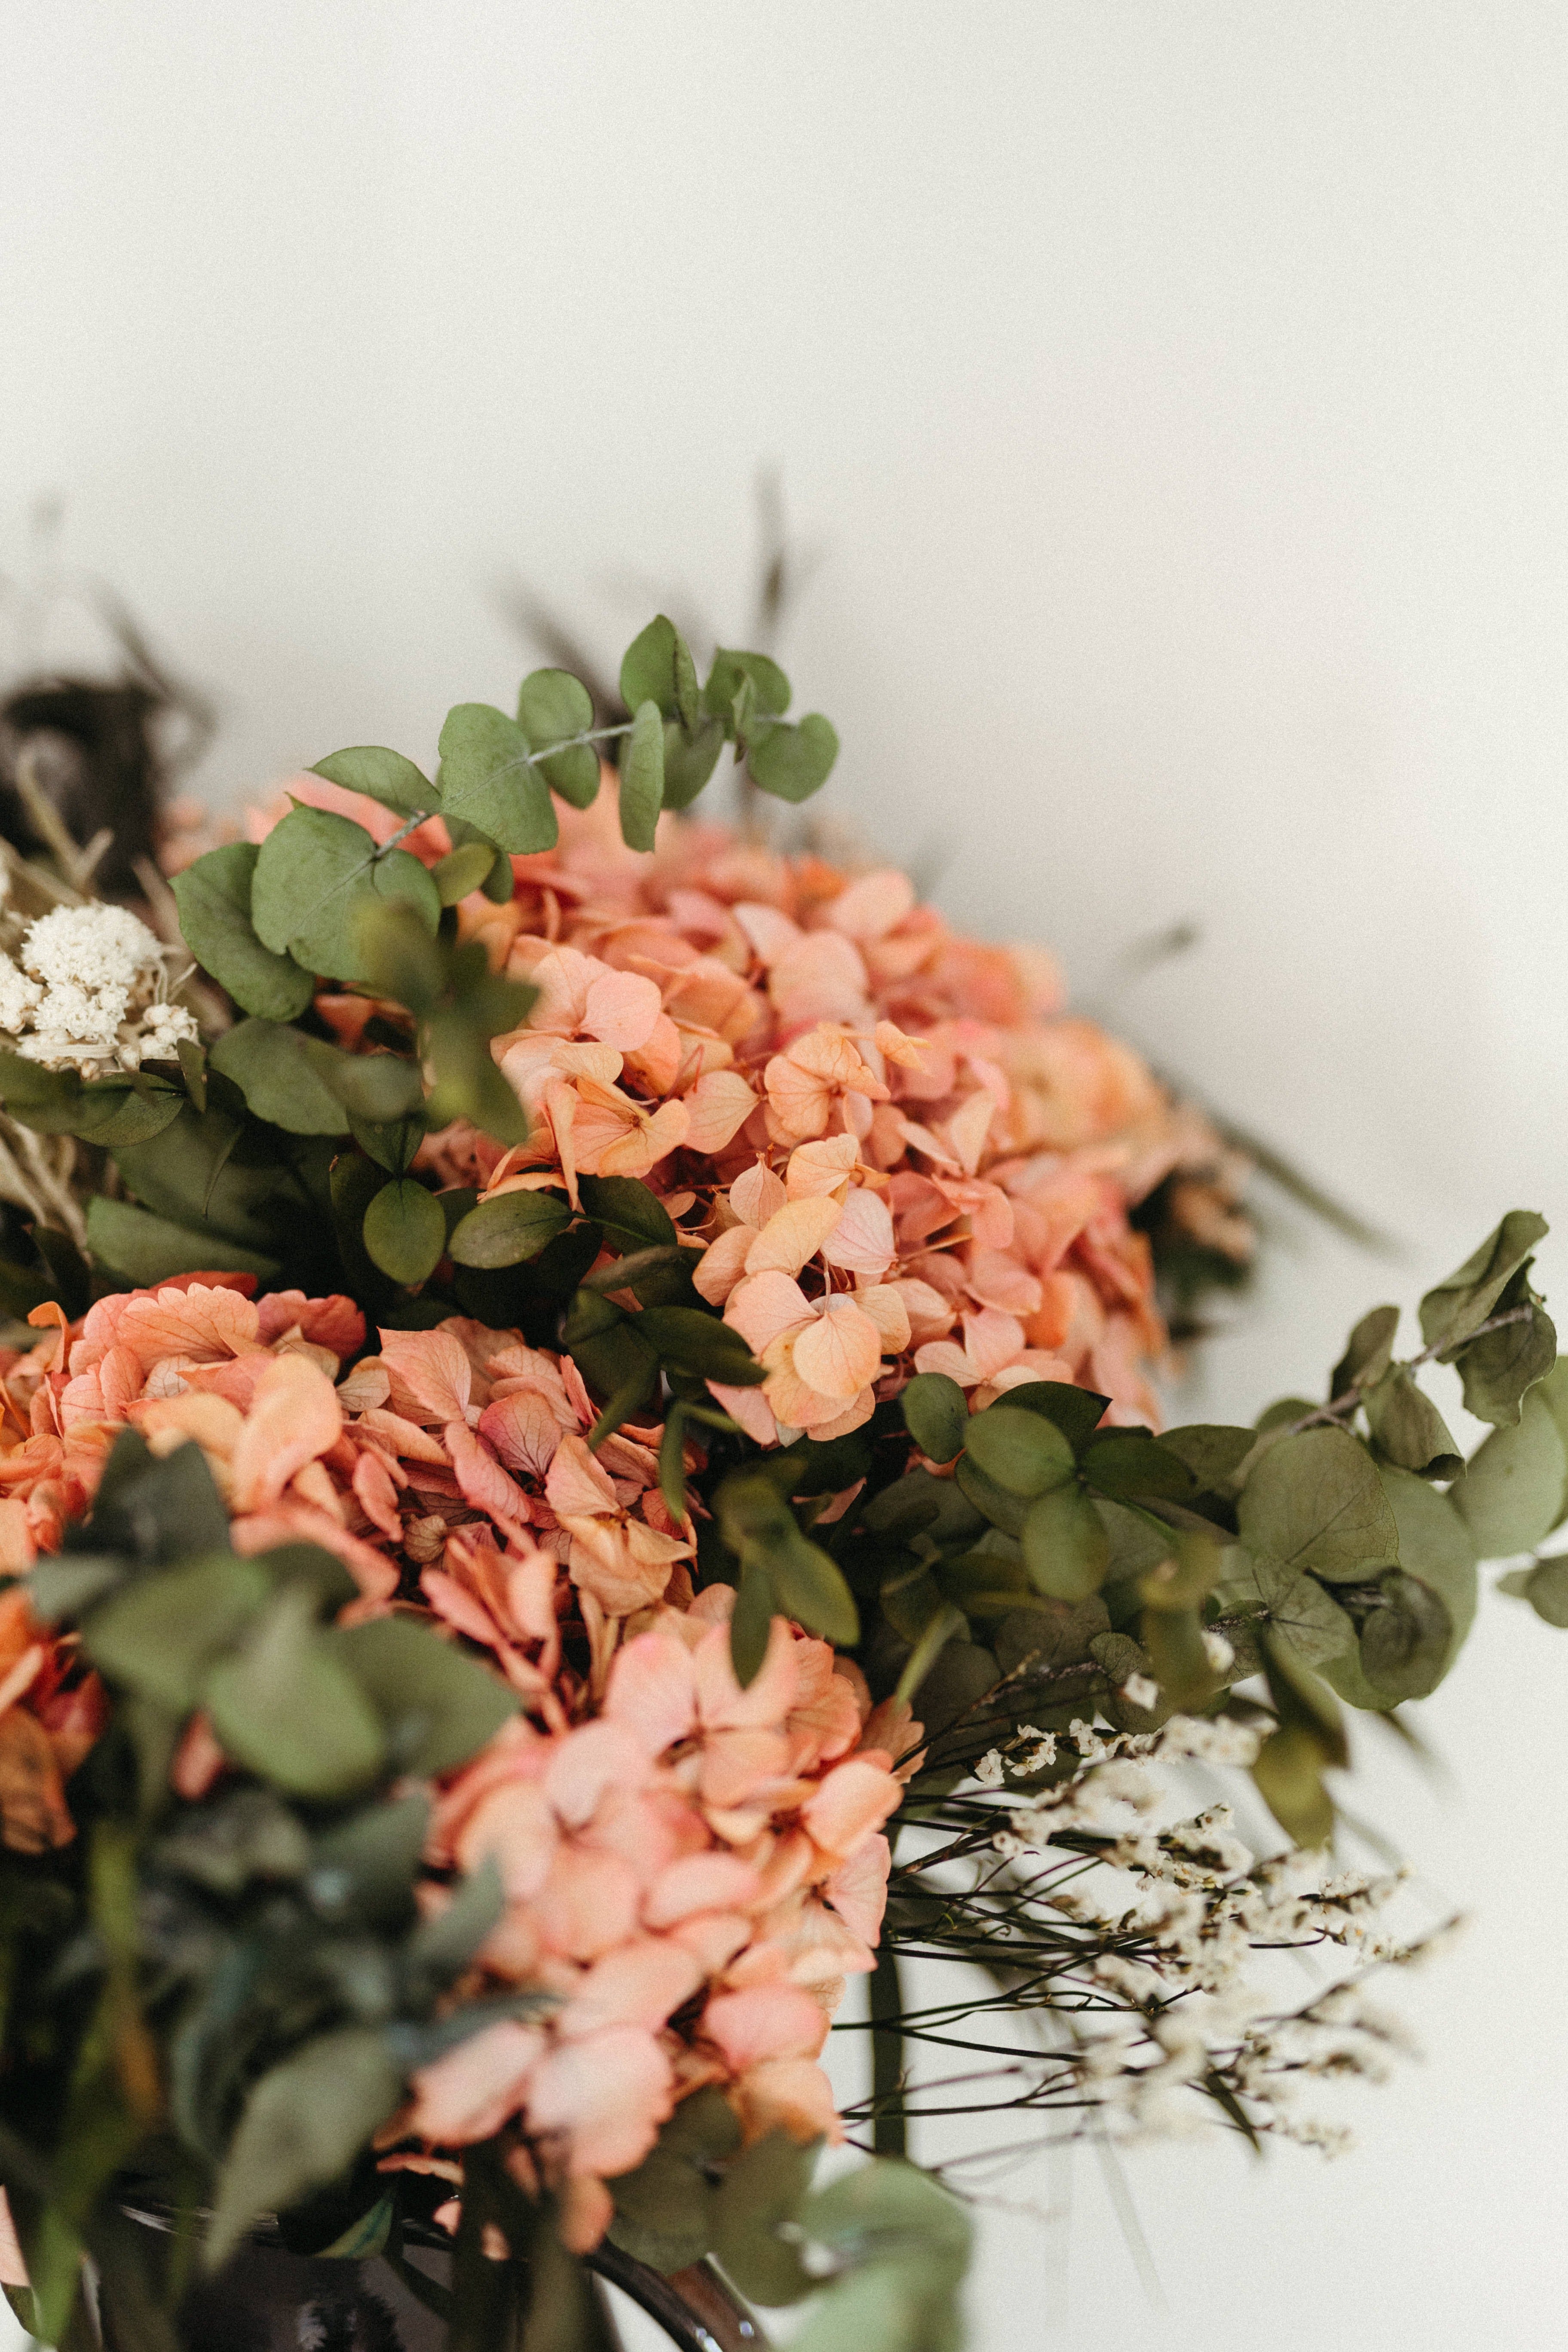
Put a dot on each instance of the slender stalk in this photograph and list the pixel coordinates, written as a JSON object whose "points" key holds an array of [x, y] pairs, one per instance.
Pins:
{"points": [[889, 2134]]}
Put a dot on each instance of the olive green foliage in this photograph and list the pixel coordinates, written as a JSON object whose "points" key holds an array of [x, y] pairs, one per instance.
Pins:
{"points": [[1332, 1550], [889, 2246], [226, 1995]]}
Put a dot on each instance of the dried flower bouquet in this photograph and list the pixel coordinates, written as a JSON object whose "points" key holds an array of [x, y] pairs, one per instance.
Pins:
{"points": [[614, 1387]]}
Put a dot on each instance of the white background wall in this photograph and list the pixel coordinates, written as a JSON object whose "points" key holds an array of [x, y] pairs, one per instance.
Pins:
{"points": [[1175, 392]]}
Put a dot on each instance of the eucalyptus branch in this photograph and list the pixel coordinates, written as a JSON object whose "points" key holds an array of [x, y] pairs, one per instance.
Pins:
{"points": [[1339, 1408]]}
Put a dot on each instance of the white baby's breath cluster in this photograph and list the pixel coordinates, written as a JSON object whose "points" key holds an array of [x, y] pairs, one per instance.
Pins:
{"points": [[87, 989]]}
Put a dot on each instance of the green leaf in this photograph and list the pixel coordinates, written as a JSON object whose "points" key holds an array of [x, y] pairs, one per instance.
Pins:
{"points": [[642, 777], [314, 873], [148, 1249], [627, 1208], [1019, 1450], [1544, 1586], [732, 671], [551, 706], [288, 1709], [159, 1512], [390, 1144], [759, 1525], [303, 2125], [936, 1414], [690, 759], [1435, 1545], [1290, 1776], [271, 1067], [1499, 1368], [214, 899], [690, 1342], [650, 672], [1212, 1451], [1552, 1392], [1406, 1640], [509, 1229], [1512, 1492], [1076, 1412], [438, 1705], [444, 1942], [108, 1111], [160, 1634], [222, 1846], [1308, 1617], [1134, 1468], [1066, 1549], [1369, 1351], [488, 781], [1408, 1427], [398, 956], [1469, 1296], [381, 775], [751, 1622], [999, 1504], [792, 763], [946, 1625], [404, 1232], [761, 2191], [462, 870], [1315, 1501], [664, 2210]]}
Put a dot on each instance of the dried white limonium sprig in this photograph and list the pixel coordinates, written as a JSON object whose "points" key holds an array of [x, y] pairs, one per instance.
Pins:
{"points": [[87, 987], [1154, 1949]]}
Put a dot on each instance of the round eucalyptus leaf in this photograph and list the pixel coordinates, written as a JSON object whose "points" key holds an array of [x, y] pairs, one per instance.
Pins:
{"points": [[404, 1231], [1021, 1450], [936, 1414], [1066, 1549]]}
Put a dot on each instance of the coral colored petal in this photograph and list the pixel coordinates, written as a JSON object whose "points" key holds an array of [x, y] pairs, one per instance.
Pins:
{"points": [[773, 2020], [296, 1416], [789, 2094], [468, 2093], [720, 1104], [854, 1800], [792, 1235], [577, 1486], [722, 1263], [757, 1194], [642, 1983], [652, 1692], [604, 2097], [434, 1368], [839, 1353], [700, 1882], [764, 1305]]}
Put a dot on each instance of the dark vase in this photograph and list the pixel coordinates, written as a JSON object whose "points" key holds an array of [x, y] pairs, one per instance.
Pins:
{"points": [[269, 2299]]}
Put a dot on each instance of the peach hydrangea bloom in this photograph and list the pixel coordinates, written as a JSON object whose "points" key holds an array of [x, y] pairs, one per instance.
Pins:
{"points": [[710, 1011], [693, 1874]]}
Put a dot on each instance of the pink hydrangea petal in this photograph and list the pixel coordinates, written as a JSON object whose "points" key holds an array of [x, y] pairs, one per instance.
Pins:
{"points": [[642, 1983], [434, 1368], [792, 1235], [652, 1692], [855, 1799], [468, 2093], [764, 2022], [605, 2097], [296, 1417], [839, 1353], [701, 1881]]}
